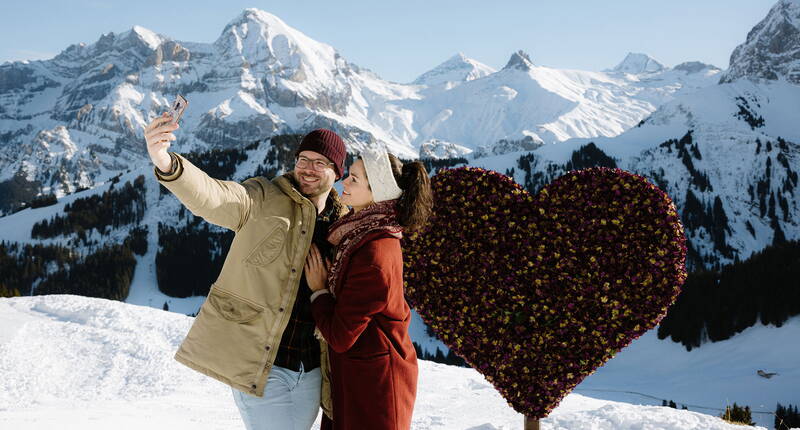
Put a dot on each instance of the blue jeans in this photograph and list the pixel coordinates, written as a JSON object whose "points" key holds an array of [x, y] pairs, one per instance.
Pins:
{"points": [[291, 401]]}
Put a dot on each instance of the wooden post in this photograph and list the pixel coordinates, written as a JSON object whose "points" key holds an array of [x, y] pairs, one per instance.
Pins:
{"points": [[531, 423]]}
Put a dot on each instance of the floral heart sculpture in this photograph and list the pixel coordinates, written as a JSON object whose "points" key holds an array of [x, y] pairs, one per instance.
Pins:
{"points": [[536, 292]]}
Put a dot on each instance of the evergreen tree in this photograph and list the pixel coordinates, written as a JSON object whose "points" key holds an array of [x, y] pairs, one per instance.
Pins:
{"points": [[738, 415]]}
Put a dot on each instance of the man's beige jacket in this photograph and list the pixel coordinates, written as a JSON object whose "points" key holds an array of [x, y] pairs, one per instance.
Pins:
{"points": [[236, 334]]}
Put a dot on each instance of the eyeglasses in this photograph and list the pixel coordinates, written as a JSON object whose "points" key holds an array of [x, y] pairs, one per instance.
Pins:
{"points": [[305, 163]]}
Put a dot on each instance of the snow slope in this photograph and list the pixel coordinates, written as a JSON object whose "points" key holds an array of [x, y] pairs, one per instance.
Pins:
{"points": [[72, 362]]}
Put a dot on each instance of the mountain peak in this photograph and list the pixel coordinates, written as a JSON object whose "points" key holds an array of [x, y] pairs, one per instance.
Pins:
{"points": [[458, 68], [696, 66], [149, 37], [519, 60], [253, 20], [258, 15], [636, 63], [258, 36], [772, 48]]}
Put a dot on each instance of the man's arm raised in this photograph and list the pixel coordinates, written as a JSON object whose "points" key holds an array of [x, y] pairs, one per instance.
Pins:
{"points": [[224, 203]]}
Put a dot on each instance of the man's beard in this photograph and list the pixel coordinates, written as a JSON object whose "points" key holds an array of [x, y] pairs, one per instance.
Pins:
{"points": [[309, 190]]}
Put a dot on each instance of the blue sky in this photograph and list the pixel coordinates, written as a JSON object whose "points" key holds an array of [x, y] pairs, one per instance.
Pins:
{"points": [[401, 40]]}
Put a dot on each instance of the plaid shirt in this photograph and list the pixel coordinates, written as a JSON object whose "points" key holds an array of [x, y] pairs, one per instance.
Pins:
{"points": [[298, 344]]}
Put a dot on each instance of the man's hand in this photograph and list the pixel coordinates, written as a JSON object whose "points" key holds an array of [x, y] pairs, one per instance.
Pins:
{"points": [[316, 269], [158, 136]]}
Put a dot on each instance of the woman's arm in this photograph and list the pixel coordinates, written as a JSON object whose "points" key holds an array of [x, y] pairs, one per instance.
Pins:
{"points": [[365, 292]]}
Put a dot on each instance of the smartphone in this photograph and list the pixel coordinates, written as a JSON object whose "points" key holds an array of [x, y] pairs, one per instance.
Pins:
{"points": [[178, 106]]}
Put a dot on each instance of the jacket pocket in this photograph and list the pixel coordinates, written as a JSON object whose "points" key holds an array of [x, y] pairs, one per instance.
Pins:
{"points": [[270, 246], [233, 308], [228, 338]]}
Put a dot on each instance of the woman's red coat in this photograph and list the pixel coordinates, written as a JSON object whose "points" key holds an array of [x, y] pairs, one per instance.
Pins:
{"points": [[373, 362]]}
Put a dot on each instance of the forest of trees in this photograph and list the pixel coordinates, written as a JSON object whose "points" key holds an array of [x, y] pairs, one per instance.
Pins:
{"points": [[55, 269], [106, 273], [22, 265], [114, 208], [439, 357], [716, 305], [786, 417], [190, 258], [17, 193], [434, 165]]}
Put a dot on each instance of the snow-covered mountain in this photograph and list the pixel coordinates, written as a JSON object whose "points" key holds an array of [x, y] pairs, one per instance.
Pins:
{"points": [[771, 51], [456, 70], [528, 105], [637, 63], [76, 120], [728, 156], [79, 363]]}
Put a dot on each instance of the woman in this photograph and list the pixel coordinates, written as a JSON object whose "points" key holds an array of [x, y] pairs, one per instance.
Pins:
{"points": [[358, 304]]}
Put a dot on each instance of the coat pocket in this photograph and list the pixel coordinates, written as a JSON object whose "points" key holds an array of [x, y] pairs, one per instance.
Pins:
{"points": [[233, 308], [228, 338], [270, 246], [369, 390]]}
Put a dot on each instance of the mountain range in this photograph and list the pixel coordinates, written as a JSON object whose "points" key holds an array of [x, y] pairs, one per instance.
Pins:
{"points": [[76, 120]]}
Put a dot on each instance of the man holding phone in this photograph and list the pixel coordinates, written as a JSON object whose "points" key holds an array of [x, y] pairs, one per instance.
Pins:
{"points": [[255, 331]]}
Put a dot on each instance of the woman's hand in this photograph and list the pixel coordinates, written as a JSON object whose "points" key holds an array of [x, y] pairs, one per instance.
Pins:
{"points": [[158, 136], [316, 269]]}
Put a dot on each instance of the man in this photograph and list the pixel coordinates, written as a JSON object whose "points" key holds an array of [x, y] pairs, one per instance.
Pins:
{"points": [[255, 331]]}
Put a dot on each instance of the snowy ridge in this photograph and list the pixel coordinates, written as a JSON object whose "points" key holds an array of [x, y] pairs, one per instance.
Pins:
{"points": [[548, 105], [262, 77], [82, 363]]}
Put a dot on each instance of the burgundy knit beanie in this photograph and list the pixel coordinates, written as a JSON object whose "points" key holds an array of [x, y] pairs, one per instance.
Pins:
{"points": [[327, 143]]}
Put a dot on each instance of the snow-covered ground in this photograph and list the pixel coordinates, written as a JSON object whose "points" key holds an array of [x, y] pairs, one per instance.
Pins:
{"points": [[73, 362]]}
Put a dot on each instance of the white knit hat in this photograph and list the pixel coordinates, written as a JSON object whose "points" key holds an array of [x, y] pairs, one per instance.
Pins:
{"points": [[379, 174]]}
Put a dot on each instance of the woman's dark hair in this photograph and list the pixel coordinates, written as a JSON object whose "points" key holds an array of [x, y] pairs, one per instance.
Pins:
{"points": [[416, 203]]}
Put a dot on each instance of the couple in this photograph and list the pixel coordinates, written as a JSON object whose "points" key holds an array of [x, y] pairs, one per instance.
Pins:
{"points": [[308, 309]]}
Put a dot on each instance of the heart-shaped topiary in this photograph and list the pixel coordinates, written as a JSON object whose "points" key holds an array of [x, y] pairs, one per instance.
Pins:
{"points": [[536, 292]]}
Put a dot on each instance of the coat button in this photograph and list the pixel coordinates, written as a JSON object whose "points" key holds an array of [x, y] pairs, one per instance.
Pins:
{"points": [[253, 386], [303, 232], [280, 310], [267, 347], [294, 270]]}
